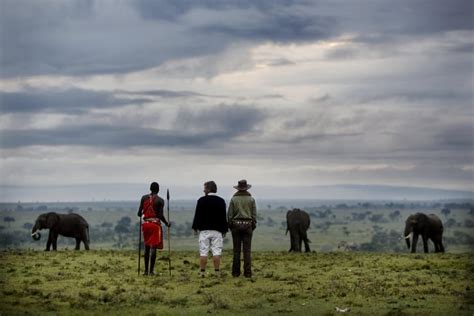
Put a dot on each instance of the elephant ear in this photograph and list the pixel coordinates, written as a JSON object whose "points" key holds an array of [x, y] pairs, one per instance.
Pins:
{"points": [[51, 220]]}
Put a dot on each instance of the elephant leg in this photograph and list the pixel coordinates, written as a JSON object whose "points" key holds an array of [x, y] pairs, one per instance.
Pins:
{"points": [[50, 241], [85, 238], [413, 244], [300, 244], [306, 243], [438, 244], [86, 244], [55, 241], [78, 243], [425, 243], [297, 246], [441, 247], [292, 242]]}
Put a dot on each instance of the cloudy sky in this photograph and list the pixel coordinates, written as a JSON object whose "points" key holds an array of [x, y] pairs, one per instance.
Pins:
{"points": [[282, 93]]}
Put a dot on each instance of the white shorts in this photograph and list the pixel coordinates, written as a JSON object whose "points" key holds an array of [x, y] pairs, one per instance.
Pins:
{"points": [[210, 240]]}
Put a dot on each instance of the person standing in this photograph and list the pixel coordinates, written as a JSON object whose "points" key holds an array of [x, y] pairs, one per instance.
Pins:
{"points": [[242, 217], [211, 223], [151, 208]]}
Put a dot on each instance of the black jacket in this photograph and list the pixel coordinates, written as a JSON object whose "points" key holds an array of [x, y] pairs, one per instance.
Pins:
{"points": [[210, 214]]}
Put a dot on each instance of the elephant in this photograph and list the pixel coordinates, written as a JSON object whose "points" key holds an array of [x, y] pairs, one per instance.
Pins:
{"points": [[67, 225], [297, 222], [428, 226]]}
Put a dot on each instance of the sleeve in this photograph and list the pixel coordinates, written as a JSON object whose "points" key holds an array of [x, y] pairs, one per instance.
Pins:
{"points": [[230, 212], [140, 208], [254, 211], [196, 215], [224, 226], [160, 204]]}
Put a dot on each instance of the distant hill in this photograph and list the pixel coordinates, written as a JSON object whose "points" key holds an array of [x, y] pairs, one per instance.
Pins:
{"points": [[369, 192], [132, 192]]}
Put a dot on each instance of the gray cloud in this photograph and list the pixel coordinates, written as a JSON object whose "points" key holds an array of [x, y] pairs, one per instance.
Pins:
{"points": [[400, 96], [49, 38], [78, 38], [191, 129], [226, 120], [70, 101], [166, 94], [458, 137]]}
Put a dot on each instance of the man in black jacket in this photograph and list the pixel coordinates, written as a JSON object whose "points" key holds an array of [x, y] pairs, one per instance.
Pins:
{"points": [[211, 221]]}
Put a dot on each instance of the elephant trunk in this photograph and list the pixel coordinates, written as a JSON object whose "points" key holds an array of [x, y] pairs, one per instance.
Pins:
{"points": [[407, 238], [35, 232]]}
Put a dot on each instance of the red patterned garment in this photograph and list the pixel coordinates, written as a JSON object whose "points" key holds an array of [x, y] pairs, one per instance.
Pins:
{"points": [[153, 234]]}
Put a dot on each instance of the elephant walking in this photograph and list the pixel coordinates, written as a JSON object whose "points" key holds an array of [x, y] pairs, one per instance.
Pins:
{"points": [[428, 226], [297, 222], [67, 225]]}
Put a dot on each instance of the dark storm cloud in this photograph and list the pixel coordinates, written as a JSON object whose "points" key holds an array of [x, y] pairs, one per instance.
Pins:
{"points": [[95, 37], [171, 10], [191, 129], [70, 101], [225, 119], [457, 137], [376, 22], [100, 136]]}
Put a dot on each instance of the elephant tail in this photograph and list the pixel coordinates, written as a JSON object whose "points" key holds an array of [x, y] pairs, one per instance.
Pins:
{"points": [[87, 234]]}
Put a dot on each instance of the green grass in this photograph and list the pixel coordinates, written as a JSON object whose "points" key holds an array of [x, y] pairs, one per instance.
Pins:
{"points": [[105, 282]]}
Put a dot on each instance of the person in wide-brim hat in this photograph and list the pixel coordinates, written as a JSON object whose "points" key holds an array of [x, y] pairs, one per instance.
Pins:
{"points": [[242, 185], [242, 219]]}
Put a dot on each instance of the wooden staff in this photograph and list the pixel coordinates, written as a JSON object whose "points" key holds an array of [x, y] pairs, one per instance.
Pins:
{"points": [[168, 230]]}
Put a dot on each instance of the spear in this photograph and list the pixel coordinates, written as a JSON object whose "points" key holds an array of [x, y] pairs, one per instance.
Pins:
{"points": [[168, 230], [139, 244]]}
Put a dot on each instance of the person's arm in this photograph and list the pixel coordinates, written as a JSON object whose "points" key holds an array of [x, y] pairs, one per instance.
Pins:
{"points": [[197, 216], [160, 204], [230, 212], [140, 208], [254, 214], [223, 219]]}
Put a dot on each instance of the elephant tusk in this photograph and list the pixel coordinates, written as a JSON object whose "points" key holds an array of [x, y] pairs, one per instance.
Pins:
{"points": [[408, 236], [36, 232]]}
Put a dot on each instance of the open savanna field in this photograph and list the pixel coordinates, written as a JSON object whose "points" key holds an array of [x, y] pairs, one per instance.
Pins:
{"points": [[375, 277], [99, 282]]}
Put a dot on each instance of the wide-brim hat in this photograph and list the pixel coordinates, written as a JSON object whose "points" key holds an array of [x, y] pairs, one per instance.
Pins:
{"points": [[242, 185]]}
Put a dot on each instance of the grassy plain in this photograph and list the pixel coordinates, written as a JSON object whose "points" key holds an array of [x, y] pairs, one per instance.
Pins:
{"points": [[102, 282]]}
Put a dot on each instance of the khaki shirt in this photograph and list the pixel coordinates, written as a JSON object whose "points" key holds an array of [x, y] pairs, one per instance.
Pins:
{"points": [[242, 206]]}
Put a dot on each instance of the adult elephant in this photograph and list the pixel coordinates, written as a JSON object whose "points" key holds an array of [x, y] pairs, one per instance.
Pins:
{"points": [[428, 226], [67, 225], [297, 223]]}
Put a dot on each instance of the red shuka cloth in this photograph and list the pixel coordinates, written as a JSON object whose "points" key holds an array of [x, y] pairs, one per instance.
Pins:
{"points": [[152, 234]]}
